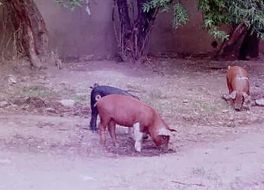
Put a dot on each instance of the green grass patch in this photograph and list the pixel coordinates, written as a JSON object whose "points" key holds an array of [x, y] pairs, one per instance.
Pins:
{"points": [[83, 99], [35, 91]]}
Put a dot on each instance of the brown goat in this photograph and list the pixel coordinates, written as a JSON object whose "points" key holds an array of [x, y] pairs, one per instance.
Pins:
{"points": [[238, 86], [130, 112]]}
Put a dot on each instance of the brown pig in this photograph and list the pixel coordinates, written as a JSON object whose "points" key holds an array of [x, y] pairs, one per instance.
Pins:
{"points": [[130, 112], [238, 86]]}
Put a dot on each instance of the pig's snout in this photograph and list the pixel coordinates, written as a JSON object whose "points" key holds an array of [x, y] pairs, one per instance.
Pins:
{"points": [[164, 146], [162, 141], [238, 106]]}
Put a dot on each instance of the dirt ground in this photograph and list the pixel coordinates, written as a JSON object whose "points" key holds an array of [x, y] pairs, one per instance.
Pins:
{"points": [[45, 142]]}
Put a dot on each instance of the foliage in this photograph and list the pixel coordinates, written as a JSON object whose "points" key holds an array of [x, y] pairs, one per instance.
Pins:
{"points": [[164, 4], [217, 12], [180, 15], [70, 4]]}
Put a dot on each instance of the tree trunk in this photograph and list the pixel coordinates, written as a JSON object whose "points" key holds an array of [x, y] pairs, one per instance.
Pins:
{"points": [[249, 46], [132, 28], [123, 28], [242, 43], [144, 24], [27, 20], [229, 47]]}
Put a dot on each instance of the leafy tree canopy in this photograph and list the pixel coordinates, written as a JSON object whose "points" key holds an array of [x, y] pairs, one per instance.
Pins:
{"points": [[71, 4], [217, 12], [180, 15]]}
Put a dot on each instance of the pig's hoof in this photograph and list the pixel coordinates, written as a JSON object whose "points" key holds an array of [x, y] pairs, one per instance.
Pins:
{"points": [[145, 136], [225, 96], [94, 132], [138, 146]]}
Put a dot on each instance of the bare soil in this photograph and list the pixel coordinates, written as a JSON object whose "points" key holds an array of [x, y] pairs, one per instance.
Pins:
{"points": [[47, 145]]}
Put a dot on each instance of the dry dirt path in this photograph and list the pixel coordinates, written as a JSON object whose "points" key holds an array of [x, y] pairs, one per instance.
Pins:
{"points": [[228, 164], [215, 147]]}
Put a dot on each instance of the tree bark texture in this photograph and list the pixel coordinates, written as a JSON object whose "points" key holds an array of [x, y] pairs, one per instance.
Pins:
{"points": [[132, 28], [27, 20]]}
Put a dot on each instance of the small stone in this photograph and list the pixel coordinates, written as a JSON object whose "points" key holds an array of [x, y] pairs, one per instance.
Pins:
{"points": [[87, 178], [225, 111], [51, 110], [260, 102], [67, 102], [185, 101], [231, 124], [11, 79], [3, 104]]}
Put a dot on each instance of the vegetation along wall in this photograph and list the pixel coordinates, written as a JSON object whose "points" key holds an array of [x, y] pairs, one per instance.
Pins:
{"points": [[75, 33]]}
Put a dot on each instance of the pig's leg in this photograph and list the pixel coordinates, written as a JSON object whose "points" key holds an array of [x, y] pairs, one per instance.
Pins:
{"points": [[94, 111], [138, 137], [130, 132], [112, 132], [93, 118], [230, 89], [102, 128]]}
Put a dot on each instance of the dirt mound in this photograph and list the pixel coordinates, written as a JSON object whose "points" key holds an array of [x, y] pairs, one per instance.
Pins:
{"points": [[44, 106]]}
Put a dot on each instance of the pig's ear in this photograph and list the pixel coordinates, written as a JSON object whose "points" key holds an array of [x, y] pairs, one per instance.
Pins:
{"points": [[233, 95], [164, 132], [94, 85]]}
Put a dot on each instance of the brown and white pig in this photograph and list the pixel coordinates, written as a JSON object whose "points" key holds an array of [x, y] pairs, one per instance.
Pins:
{"points": [[130, 112], [238, 86]]}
